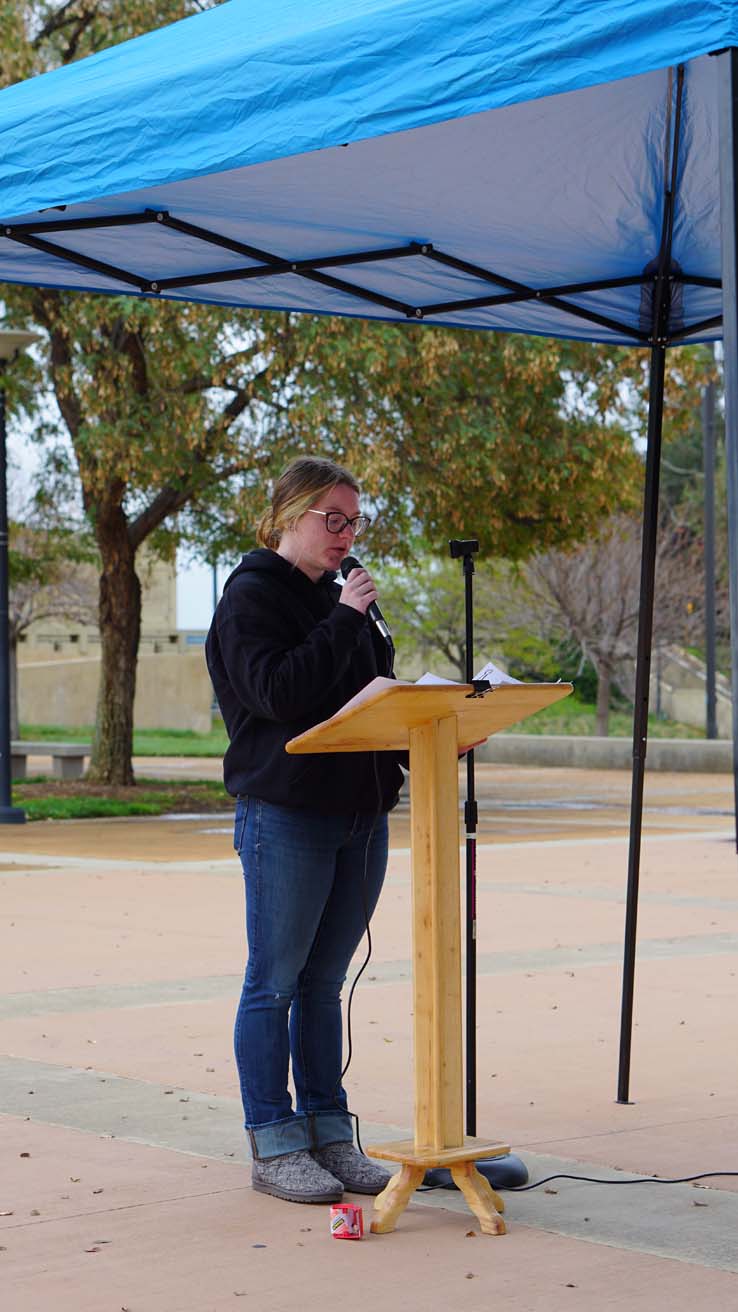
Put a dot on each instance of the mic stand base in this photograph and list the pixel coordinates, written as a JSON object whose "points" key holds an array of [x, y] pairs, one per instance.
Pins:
{"points": [[506, 1172]]}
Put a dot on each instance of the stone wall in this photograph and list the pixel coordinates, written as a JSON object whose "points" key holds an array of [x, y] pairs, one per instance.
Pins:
{"points": [[173, 690], [694, 755]]}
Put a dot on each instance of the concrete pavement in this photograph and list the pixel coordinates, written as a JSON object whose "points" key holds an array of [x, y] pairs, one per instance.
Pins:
{"points": [[124, 1183]]}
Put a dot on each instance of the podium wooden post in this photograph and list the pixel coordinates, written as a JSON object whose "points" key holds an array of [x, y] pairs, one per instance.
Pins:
{"points": [[435, 721]]}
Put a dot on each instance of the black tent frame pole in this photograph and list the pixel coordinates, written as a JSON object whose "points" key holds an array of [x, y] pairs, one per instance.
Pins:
{"points": [[727, 62], [640, 714], [660, 308]]}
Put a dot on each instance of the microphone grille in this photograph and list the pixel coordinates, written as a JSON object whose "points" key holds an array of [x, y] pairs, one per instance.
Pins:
{"points": [[348, 564]]}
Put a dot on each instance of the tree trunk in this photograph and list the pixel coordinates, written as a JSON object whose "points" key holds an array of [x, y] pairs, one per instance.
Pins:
{"points": [[120, 630], [13, 676], [603, 701]]}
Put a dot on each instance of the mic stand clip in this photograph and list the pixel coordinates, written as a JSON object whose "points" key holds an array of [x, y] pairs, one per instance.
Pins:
{"points": [[480, 686]]}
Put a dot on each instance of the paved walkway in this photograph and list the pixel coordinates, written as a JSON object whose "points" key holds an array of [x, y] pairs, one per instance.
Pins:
{"points": [[124, 1183]]}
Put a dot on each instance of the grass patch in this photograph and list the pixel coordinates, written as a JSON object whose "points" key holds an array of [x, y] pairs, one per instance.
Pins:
{"points": [[146, 742], [570, 716], [180, 742], [53, 799], [84, 808]]}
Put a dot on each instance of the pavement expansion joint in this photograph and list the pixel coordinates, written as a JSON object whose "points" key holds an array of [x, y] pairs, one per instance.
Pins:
{"points": [[84, 998], [652, 1217], [99, 1213]]}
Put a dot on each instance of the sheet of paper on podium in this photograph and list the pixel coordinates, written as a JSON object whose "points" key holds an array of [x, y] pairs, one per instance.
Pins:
{"points": [[491, 672]]}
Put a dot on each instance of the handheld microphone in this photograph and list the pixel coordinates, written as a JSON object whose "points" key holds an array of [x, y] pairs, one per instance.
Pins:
{"points": [[372, 609]]}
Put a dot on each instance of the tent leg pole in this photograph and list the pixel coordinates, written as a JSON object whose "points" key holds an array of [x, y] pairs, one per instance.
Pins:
{"points": [[728, 146], [640, 711]]}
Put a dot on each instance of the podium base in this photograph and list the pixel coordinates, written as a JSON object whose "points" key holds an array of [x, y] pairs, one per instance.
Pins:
{"points": [[507, 1172], [459, 1163]]}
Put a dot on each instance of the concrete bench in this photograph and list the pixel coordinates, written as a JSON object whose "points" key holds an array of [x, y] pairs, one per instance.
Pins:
{"points": [[68, 759]]}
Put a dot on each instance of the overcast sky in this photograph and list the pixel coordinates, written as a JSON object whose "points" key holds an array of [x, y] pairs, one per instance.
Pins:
{"points": [[195, 593]]}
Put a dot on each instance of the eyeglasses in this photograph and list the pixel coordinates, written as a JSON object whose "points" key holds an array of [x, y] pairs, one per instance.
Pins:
{"points": [[336, 522]]}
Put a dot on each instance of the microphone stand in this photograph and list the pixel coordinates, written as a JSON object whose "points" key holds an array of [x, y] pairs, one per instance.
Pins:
{"points": [[464, 551], [507, 1171]]}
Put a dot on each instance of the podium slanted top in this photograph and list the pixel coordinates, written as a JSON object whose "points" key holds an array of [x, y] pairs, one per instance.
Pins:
{"points": [[380, 717]]}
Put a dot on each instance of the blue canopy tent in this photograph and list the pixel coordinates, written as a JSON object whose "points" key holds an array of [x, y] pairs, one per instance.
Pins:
{"points": [[552, 167]]}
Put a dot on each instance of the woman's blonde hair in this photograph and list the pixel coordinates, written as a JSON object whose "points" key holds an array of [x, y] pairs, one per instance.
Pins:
{"points": [[298, 488]]}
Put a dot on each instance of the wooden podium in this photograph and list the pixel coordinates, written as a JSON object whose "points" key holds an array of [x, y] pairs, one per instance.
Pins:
{"points": [[435, 721]]}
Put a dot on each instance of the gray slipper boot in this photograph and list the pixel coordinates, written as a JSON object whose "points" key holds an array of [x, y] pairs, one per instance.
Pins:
{"points": [[296, 1177], [352, 1168]]}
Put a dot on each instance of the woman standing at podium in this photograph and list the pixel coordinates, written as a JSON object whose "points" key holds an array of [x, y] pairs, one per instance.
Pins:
{"points": [[286, 649]]}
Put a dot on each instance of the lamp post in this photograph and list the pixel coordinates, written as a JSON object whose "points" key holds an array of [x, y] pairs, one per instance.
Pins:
{"points": [[11, 345]]}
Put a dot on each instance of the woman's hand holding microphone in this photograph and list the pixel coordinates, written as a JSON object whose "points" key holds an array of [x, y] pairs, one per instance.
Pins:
{"points": [[359, 590]]}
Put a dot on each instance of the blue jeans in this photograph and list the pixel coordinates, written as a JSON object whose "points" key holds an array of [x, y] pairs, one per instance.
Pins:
{"points": [[311, 882]]}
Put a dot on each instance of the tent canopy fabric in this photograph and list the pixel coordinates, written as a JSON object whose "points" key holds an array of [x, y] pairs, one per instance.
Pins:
{"points": [[461, 162]]}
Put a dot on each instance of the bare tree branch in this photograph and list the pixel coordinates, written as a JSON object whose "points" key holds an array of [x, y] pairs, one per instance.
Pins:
{"points": [[589, 597]]}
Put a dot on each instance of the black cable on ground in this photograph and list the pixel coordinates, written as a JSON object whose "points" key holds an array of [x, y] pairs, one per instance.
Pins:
{"points": [[644, 1179], [590, 1179]]}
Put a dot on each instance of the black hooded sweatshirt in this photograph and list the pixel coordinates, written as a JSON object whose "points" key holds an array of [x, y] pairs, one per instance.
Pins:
{"points": [[283, 656]]}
